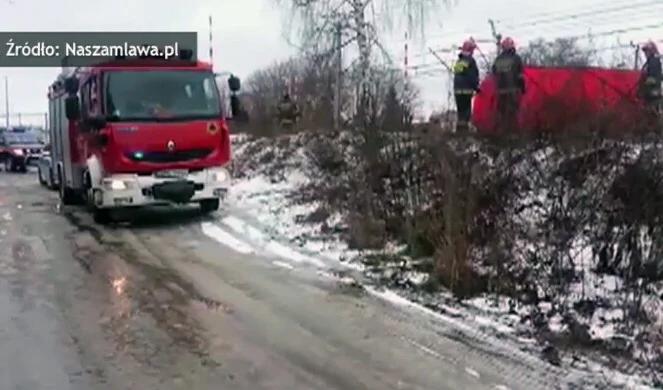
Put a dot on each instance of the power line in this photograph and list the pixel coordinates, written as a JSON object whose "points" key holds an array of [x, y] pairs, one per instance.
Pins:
{"points": [[578, 15], [600, 21], [568, 14], [568, 20], [587, 35], [597, 23], [614, 32], [605, 21], [601, 33], [563, 11]]}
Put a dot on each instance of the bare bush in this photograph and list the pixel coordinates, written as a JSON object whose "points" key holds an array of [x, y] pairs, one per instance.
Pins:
{"points": [[322, 21], [560, 52], [309, 84], [569, 219]]}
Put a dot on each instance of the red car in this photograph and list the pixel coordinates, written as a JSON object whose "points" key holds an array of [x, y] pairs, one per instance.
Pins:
{"points": [[18, 149]]}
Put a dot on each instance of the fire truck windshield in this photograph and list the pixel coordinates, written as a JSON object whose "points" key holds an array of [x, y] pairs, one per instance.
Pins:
{"points": [[161, 95]]}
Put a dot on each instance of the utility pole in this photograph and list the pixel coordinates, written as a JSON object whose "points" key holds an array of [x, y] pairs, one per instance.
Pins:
{"points": [[338, 87], [7, 102]]}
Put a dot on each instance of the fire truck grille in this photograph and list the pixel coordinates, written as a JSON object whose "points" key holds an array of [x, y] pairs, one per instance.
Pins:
{"points": [[167, 157]]}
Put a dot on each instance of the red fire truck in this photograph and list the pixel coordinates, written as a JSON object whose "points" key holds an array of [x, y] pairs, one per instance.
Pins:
{"points": [[142, 131]]}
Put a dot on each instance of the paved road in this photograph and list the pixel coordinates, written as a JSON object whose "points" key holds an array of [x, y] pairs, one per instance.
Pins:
{"points": [[159, 305]]}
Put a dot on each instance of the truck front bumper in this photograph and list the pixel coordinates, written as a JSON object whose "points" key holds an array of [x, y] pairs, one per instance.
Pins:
{"points": [[125, 190]]}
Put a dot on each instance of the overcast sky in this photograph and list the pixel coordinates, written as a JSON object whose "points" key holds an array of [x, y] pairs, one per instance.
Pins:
{"points": [[248, 33]]}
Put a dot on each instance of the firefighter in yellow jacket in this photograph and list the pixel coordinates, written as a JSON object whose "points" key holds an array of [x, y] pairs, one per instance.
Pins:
{"points": [[466, 83]]}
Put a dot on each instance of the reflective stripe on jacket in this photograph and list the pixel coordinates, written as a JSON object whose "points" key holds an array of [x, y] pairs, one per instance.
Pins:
{"points": [[466, 74]]}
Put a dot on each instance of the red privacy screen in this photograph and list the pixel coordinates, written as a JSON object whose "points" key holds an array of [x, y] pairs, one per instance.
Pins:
{"points": [[557, 97]]}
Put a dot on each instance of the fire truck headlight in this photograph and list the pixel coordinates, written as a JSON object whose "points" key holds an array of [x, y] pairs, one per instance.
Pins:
{"points": [[221, 175], [18, 152], [115, 185]]}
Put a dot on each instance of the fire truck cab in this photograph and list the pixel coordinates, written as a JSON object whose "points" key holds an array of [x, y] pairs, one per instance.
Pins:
{"points": [[137, 132]]}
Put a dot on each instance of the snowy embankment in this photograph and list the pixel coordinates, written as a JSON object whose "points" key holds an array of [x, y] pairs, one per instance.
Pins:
{"points": [[266, 180], [269, 215]]}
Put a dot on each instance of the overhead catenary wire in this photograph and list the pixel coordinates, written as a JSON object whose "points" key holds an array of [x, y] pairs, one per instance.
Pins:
{"points": [[606, 21], [579, 15], [575, 9], [572, 22], [599, 34], [578, 36], [567, 15]]}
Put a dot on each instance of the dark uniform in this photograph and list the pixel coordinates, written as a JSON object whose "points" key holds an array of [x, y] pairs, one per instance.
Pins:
{"points": [[509, 73], [466, 83], [287, 112], [650, 83]]}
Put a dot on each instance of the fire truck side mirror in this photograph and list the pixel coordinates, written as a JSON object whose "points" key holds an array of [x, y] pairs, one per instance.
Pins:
{"points": [[72, 108], [234, 83], [71, 85]]}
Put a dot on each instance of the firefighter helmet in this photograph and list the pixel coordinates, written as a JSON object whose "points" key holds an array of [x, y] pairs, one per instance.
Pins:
{"points": [[508, 44], [468, 46], [650, 47]]}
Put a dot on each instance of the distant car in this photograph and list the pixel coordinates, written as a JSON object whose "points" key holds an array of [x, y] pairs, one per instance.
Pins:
{"points": [[45, 171], [19, 149]]}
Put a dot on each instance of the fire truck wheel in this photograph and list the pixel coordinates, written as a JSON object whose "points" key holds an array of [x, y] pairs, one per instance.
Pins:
{"points": [[209, 205], [9, 165], [67, 195]]}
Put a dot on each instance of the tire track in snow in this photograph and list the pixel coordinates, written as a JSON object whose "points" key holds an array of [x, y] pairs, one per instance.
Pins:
{"points": [[282, 264], [267, 244], [226, 238]]}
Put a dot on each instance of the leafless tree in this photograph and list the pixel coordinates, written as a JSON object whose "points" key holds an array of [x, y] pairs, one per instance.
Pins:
{"points": [[560, 52], [309, 82], [319, 21]]}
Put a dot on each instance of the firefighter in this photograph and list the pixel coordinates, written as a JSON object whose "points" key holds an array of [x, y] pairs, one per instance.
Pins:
{"points": [[509, 73], [466, 83], [650, 78], [287, 112]]}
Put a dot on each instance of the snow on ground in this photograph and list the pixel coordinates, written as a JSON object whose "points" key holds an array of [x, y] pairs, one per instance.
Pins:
{"points": [[270, 205], [265, 214], [226, 238]]}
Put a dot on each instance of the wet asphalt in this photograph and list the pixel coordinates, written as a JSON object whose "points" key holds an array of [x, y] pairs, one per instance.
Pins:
{"points": [[155, 304]]}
